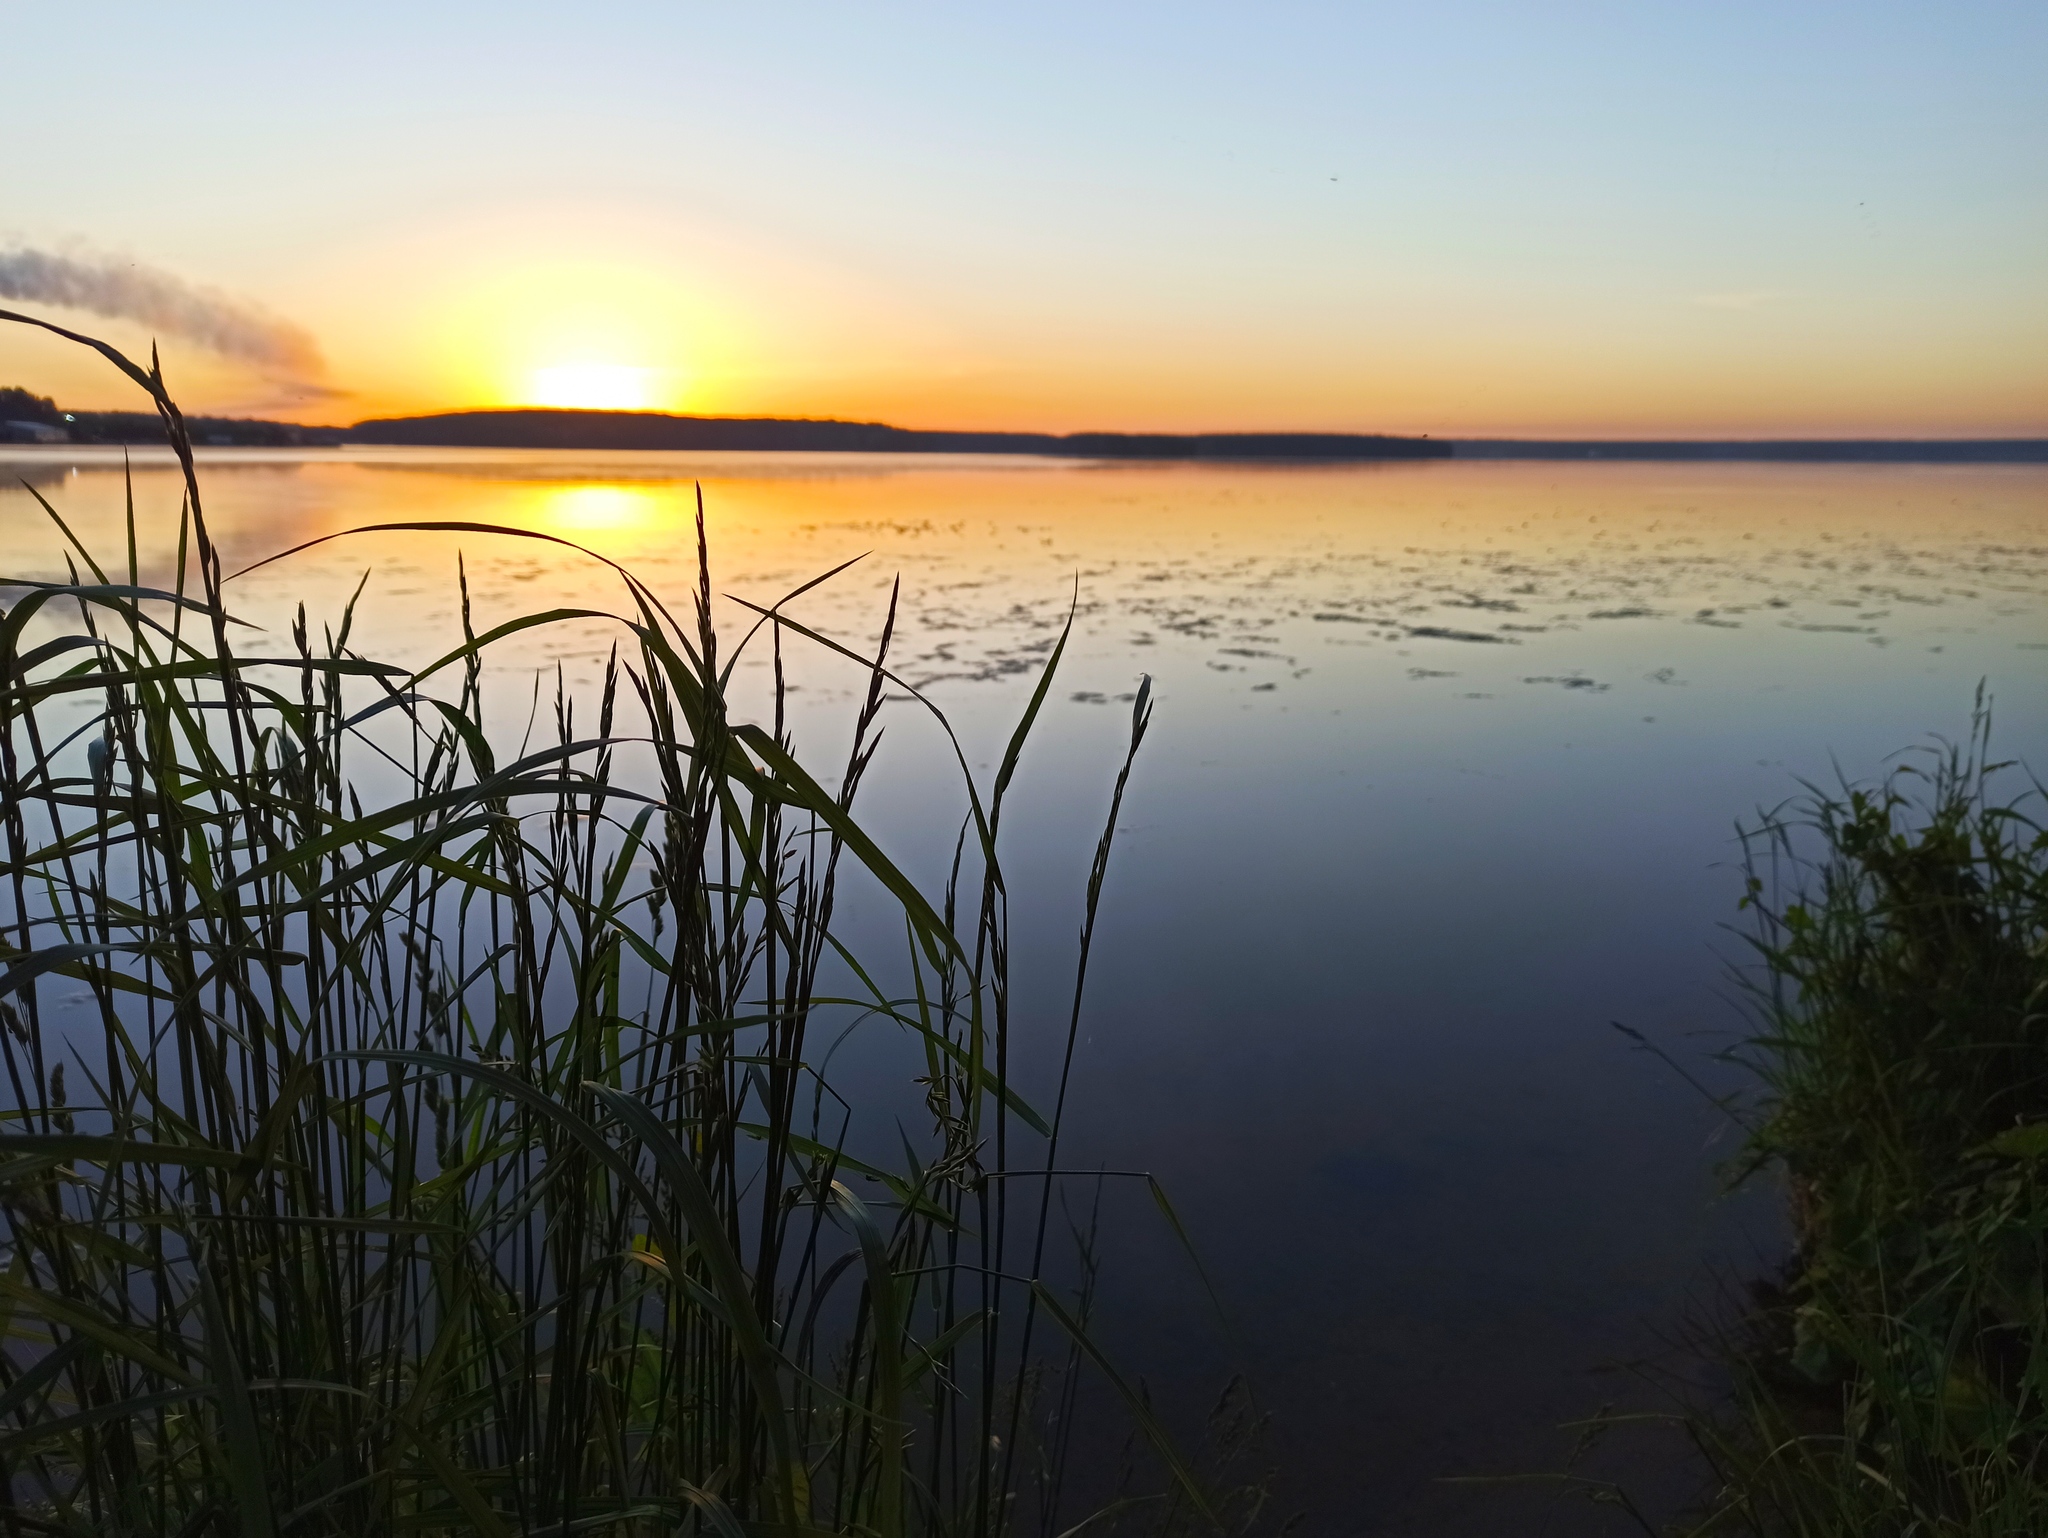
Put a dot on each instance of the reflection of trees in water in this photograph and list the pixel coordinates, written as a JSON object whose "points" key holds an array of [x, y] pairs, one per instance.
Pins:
{"points": [[42, 474]]}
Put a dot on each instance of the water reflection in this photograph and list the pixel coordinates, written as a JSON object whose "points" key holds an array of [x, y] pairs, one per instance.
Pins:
{"points": [[579, 511], [1441, 780]]}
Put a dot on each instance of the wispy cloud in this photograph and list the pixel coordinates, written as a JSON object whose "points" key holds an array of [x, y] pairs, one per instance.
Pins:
{"points": [[125, 290], [1743, 299]]}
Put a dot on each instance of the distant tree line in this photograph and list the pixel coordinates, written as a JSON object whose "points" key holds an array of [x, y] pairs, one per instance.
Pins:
{"points": [[19, 405], [546, 429], [536, 428]]}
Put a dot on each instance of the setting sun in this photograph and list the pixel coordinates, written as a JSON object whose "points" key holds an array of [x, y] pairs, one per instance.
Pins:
{"points": [[593, 387]]}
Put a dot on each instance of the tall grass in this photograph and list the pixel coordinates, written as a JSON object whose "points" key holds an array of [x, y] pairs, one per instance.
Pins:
{"points": [[1898, 1383], [434, 1137]]}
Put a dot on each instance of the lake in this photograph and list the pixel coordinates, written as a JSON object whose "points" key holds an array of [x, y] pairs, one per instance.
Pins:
{"points": [[1443, 781]]}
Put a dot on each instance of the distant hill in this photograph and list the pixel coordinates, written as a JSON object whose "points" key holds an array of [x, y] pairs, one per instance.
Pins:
{"points": [[538, 429], [25, 417]]}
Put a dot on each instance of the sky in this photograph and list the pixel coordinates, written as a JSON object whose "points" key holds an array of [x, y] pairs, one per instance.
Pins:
{"points": [[1461, 219]]}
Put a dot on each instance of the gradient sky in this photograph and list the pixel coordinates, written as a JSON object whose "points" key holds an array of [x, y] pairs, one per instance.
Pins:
{"points": [[1458, 219]]}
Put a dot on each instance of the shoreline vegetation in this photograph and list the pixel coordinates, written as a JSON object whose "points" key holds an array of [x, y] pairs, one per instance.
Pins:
{"points": [[1894, 1382], [409, 1128], [29, 418]]}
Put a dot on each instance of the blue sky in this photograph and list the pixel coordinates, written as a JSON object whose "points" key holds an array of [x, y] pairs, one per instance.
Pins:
{"points": [[1639, 218]]}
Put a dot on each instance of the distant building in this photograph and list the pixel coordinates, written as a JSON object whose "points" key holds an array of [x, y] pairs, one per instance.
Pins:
{"points": [[32, 432]]}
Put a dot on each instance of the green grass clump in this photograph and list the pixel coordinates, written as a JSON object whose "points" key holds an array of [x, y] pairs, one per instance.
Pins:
{"points": [[1898, 1382], [402, 1131]]}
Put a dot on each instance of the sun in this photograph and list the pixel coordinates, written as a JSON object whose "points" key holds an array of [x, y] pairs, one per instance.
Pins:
{"points": [[593, 386]]}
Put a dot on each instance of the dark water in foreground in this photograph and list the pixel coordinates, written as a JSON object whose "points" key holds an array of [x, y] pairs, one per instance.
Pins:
{"points": [[1442, 780]]}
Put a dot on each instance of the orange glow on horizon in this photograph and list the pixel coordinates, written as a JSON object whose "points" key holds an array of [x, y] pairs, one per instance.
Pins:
{"points": [[587, 307]]}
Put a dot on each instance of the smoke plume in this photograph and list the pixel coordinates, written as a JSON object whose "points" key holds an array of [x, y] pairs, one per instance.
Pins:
{"points": [[129, 291]]}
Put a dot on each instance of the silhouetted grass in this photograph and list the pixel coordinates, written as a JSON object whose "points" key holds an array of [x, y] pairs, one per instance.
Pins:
{"points": [[429, 1134], [1898, 1383]]}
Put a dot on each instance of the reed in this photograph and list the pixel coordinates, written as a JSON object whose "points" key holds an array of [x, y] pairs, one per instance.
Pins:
{"points": [[1897, 1383], [434, 1137]]}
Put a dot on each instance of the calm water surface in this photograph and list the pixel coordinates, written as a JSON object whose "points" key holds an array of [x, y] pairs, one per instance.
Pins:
{"points": [[1442, 780]]}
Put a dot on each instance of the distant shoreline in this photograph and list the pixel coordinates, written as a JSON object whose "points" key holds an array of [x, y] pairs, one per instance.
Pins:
{"points": [[653, 430], [1887, 451], [656, 431]]}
